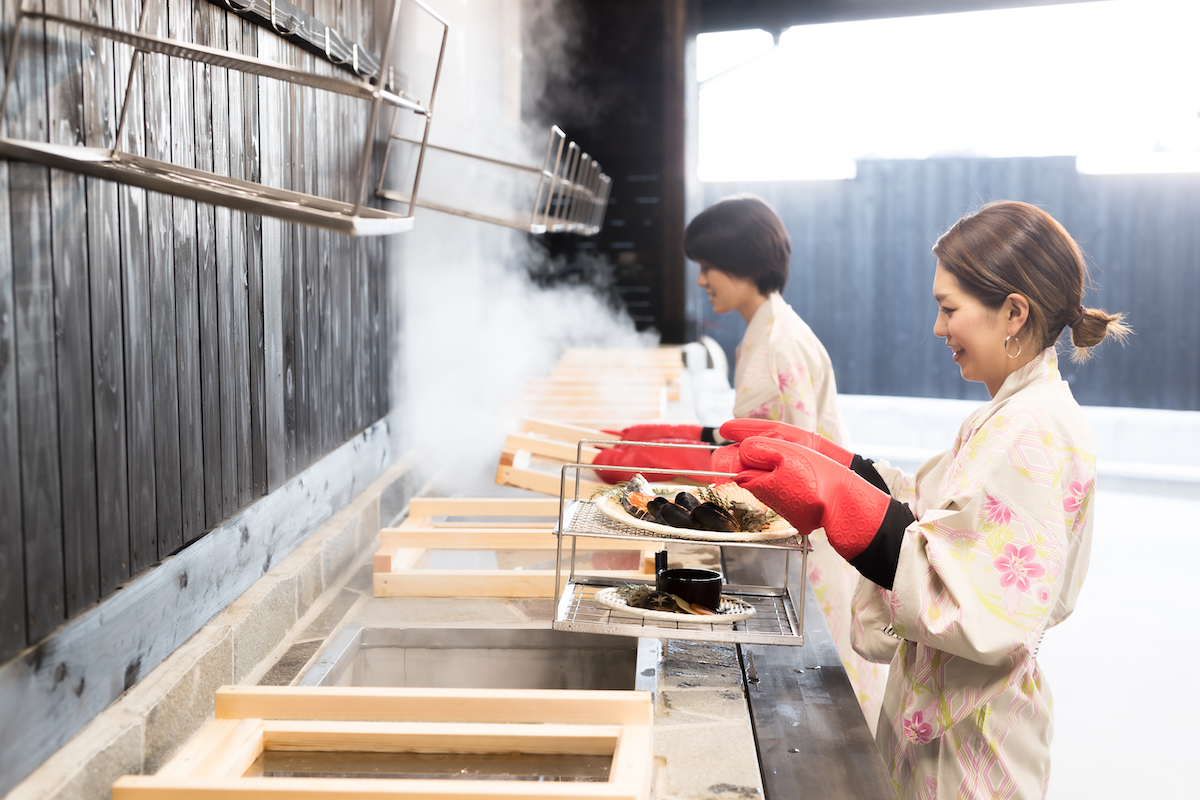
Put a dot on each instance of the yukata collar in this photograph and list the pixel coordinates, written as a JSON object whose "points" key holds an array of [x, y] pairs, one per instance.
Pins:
{"points": [[764, 316], [1043, 369]]}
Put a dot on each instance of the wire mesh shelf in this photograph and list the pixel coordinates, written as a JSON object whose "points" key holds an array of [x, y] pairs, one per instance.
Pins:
{"points": [[775, 620]]}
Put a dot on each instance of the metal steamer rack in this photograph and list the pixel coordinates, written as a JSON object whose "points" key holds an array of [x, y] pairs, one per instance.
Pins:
{"points": [[778, 617]]}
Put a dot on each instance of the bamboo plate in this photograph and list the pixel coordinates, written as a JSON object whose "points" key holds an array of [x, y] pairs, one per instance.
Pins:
{"points": [[779, 529], [731, 609]]}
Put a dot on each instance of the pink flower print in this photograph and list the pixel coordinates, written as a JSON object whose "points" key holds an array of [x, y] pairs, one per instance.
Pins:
{"points": [[1017, 566], [917, 730], [1043, 594], [996, 513], [893, 601], [1074, 498], [765, 411]]}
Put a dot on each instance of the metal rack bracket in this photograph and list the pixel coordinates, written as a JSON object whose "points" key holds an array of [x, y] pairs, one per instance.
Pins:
{"points": [[572, 192], [111, 163]]}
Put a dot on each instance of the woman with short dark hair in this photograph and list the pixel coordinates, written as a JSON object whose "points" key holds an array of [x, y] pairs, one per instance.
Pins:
{"points": [[967, 563], [783, 372]]}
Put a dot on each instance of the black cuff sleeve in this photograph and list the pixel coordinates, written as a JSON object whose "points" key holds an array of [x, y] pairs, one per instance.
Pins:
{"points": [[708, 435], [877, 562], [865, 468]]}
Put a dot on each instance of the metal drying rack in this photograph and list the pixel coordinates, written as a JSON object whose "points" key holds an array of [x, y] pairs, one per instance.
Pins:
{"points": [[779, 610], [572, 192], [353, 218]]}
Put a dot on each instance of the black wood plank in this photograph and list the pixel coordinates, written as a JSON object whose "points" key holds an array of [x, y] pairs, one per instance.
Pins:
{"points": [[296, 405], [296, 359], [206, 23], [240, 166], [369, 29], [107, 334], [339, 351], [12, 568], [254, 276], [322, 397], [33, 318], [277, 260], [293, 241], [182, 121], [76, 419], [226, 224], [135, 286], [163, 315], [357, 113]]}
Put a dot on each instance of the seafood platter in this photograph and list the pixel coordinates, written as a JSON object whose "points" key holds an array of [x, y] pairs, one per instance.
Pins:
{"points": [[720, 513], [717, 512]]}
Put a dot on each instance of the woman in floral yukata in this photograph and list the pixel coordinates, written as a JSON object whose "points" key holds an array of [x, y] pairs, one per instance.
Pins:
{"points": [[967, 563], [782, 373]]}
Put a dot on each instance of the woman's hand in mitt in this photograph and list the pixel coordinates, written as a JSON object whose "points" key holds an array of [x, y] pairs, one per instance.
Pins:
{"points": [[811, 491], [739, 429]]}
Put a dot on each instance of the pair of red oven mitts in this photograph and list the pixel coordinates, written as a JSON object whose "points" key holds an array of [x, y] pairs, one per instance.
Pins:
{"points": [[807, 479]]}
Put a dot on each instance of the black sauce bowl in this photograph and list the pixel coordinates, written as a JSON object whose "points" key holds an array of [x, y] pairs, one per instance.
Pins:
{"points": [[700, 586]]}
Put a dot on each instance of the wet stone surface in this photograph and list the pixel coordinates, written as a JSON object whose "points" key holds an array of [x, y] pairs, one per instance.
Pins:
{"points": [[288, 667], [702, 734]]}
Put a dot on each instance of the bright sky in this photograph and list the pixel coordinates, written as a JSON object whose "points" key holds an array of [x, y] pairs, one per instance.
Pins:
{"points": [[1088, 78]]}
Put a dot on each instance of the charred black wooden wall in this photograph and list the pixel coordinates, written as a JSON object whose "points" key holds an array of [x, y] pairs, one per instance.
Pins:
{"points": [[861, 271], [164, 363], [623, 96]]}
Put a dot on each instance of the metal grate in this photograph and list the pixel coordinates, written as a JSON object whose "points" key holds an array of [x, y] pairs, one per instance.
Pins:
{"points": [[774, 620]]}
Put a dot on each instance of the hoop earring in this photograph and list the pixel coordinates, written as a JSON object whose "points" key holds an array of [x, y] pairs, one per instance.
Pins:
{"points": [[1015, 339]]}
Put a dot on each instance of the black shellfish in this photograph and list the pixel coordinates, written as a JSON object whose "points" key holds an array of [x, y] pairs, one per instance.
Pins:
{"points": [[711, 517], [687, 500], [676, 516]]}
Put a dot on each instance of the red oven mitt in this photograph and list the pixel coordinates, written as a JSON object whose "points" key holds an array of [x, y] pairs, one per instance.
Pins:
{"points": [[640, 459], [738, 429], [811, 491]]}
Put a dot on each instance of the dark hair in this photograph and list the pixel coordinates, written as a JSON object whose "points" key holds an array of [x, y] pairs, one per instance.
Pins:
{"points": [[1011, 247], [742, 235]]}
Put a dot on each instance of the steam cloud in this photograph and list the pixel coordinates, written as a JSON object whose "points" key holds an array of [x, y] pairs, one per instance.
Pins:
{"points": [[473, 325]]}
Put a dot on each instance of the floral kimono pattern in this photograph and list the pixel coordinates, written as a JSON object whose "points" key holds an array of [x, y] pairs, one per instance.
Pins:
{"points": [[784, 373], [996, 557]]}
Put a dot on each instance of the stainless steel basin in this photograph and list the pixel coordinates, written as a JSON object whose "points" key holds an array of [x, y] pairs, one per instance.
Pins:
{"points": [[486, 658]]}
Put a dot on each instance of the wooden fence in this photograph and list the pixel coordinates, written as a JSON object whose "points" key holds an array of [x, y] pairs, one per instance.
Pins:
{"points": [[862, 271], [163, 363]]}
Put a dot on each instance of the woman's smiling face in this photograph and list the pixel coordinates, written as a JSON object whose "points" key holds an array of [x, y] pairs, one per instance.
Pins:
{"points": [[728, 292], [974, 333]]}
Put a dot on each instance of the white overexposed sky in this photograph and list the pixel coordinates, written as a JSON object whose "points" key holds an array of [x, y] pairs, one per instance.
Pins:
{"points": [[1088, 78]]}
